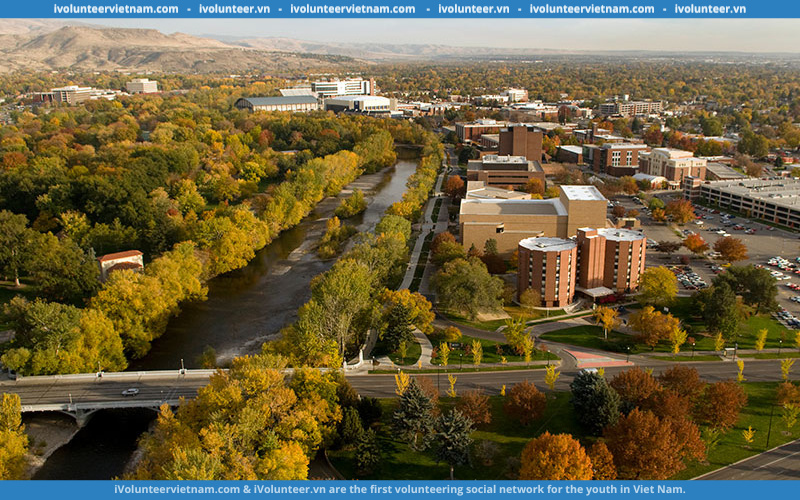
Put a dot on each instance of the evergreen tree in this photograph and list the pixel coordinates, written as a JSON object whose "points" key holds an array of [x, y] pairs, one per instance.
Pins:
{"points": [[413, 419], [596, 404], [350, 428], [398, 326], [452, 439], [368, 452]]}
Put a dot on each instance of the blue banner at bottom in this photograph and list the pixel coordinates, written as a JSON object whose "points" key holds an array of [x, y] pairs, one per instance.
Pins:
{"points": [[400, 490]]}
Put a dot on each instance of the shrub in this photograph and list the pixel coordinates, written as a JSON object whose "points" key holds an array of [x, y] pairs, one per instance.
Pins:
{"points": [[525, 403]]}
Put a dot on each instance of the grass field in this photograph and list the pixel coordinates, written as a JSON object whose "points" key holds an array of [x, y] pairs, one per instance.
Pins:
{"points": [[513, 311], [491, 353], [509, 438], [412, 355]]}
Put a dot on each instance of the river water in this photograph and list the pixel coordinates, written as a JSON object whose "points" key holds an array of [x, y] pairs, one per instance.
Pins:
{"points": [[244, 308]]}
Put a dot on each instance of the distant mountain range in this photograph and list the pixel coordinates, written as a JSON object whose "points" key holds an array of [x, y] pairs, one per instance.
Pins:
{"points": [[56, 45], [48, 46]]}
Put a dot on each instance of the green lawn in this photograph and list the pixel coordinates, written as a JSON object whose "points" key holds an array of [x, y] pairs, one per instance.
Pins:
{"points": [[493, 325], [748, 331], [732, 446], [412, 355], [591, 336], [491, 353], [400, 462], [786, 353]]}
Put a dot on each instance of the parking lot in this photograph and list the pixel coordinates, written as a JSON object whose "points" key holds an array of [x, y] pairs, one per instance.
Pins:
{"points": [[763, 243]]}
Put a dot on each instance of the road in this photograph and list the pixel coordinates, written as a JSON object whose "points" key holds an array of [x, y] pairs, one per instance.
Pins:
{"points": [[782, 462], [39, 391], [59, 391]]}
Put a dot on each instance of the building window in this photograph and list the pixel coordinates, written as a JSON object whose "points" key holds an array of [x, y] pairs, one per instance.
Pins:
{"points": [[500, 229]]}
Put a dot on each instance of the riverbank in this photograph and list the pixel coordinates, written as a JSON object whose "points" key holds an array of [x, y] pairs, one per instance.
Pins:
{"points": [[250, 306], [46, 432]]}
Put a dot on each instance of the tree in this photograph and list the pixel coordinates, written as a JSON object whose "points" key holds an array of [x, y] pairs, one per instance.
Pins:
{"points": [[657, 287], [756, 286], [15, 240], [634, 386], [720, 404], [658, 215], [454, 186], [13, 440], [680, 210], [419, 308], [475, 406], [647, 447], [413, 419], [367, 452], [655, 203], [653, 326], [444, 249], [530, 299], [720, 310], [477, 352], [554, 457], [525, 403], [62, 270], [602, 462], [677, 337], [451, 442], [607, 317], [696, 244], [350, 428], [731, 249], [397, 327], [761, 339], [669, 247], [263, 427], [683, 380], [466, 286], [534, 186], [551, 377], [596, 404], [451, 334]]}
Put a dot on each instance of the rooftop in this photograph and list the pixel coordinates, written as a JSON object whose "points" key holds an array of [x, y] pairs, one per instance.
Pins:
{"points": [[620, 234], [582, 193], [276, 101], [365, 98], [119, 255], [573, 149], [782, 192], [543, 244], [673, 153], [551, 206]]}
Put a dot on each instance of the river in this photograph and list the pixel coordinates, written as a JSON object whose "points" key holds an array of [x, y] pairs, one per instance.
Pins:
{"points": [[244, 308]]}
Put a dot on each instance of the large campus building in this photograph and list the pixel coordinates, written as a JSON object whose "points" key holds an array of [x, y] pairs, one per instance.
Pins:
{"points": [[351, 86], [504, 171], [775, 201], [510, 220], [597, 262], [299, 103], [672, 164]]}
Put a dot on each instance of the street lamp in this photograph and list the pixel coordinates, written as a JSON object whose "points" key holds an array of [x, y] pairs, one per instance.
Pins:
{"points": [[628, 357], [735, 349], [183, 369], [780, 344], [460, 360], [692, 350]]}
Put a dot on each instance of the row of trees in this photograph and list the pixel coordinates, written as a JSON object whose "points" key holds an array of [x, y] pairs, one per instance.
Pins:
{"points": [[351, 297], [132, 309]]}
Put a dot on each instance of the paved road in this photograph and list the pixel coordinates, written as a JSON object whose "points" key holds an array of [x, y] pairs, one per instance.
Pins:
{"points": [[35, 391], [58, 391], [779, 463]]}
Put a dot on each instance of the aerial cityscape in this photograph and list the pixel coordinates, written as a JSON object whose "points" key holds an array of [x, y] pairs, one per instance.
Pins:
{"points": [[243, 257]]}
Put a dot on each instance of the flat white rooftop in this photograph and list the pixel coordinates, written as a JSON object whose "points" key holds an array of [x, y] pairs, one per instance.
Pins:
{"points": [[620, 234], [572, 149], [552, 206], [582, 193], [544, 244]]}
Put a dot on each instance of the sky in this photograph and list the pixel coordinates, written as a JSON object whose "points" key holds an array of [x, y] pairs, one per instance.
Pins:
{"points": [[750, 35]]}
